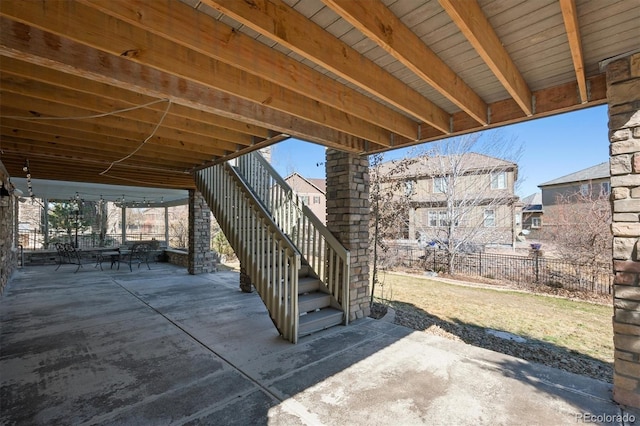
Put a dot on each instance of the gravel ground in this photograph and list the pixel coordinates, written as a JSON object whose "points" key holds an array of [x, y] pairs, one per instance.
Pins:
{"points": [[541, 353]]}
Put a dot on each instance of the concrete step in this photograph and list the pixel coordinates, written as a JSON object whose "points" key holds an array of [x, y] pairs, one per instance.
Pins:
{"points": [[313, 301], [308, 285], [319, 320]]}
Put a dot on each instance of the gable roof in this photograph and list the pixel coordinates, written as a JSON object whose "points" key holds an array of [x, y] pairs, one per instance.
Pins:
{"points": [[439, 165], [599, 171], [532, 203], [319, 184], [532, 199]]}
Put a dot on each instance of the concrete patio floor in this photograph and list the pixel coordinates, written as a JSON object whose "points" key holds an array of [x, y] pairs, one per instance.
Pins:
{"points": [[163, 347]]}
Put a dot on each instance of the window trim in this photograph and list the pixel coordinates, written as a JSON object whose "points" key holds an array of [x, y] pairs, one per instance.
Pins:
{"points": [[536, 222], [585, 189], [491, 216], [496, 177], [440, 185]]}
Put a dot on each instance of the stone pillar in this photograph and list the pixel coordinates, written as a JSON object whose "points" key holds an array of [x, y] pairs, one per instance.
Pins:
{"points": [[200, 255], [623, 95], [348, 219], [245, 280], [8, 234]]}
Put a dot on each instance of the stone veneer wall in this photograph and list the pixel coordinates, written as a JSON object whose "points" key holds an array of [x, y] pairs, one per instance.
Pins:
{"points": [[8, 253], [623, 94], [201, 259], [348, 220]]}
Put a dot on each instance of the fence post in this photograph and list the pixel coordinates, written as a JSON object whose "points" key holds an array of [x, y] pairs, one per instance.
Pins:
{"points": [[480, 260], [537, 267], [434, 259]]}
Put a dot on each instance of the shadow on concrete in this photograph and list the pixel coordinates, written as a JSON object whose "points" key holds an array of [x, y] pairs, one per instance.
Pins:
{"points": [[164, 347]]}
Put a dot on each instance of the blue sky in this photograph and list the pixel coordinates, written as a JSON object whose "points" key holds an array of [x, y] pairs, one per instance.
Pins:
{"points": [[553, 147]]}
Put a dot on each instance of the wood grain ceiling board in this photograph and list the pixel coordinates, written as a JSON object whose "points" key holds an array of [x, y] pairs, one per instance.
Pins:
{"points": [[239, 79]]}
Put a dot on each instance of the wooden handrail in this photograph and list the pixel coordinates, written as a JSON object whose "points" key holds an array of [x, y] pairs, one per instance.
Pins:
{"points": [[271, 260], [326, 256]]}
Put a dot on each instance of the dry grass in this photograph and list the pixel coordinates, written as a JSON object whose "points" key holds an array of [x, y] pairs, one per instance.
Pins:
{"points": [[577, 326]]}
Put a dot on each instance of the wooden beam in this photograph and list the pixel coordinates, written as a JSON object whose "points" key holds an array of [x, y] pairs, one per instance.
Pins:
{"points": [[279, 22], [127, 41], [63, 134], [187, 119], [80, 60], [551, 101], [52, 101], [222, 42], [105, 148], [570, 17], [468, 16], [378, 23]]}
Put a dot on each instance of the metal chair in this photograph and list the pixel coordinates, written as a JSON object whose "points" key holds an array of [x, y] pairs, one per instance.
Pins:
{"points": [[68, 254], [139, 254]]}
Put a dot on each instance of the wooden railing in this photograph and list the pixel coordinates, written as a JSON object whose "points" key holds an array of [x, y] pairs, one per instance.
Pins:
{"points": [[328, 259], [270, 259]]}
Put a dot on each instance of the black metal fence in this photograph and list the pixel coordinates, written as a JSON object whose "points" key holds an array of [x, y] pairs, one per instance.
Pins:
{"points": [[532, 269], [35, 240]]}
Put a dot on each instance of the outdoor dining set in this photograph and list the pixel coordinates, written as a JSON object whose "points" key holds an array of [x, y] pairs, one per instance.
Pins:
{"points": [[136, 253]]}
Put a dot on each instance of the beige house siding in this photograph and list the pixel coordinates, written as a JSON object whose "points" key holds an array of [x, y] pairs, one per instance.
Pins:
{"points": [[588, 184], [311, 191], [474, 187]]}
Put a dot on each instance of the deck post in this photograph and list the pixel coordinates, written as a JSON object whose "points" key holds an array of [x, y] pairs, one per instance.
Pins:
{"points": [[623, 97], [348, 220], [200, 255]]}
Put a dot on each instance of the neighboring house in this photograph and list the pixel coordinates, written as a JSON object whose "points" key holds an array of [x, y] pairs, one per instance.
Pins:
{"points": [[488, 211], [312, 192], [532, 212], [587, 184]]}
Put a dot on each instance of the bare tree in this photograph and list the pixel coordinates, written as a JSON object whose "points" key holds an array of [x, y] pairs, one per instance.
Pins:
{"points": [[389, 200], [579, 227], [456, 195], [178, 227]]}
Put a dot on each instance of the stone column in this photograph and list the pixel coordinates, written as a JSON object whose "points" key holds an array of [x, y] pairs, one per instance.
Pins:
{"points": [[623, 95], [348, 219], [200, 255], [246, 286]]}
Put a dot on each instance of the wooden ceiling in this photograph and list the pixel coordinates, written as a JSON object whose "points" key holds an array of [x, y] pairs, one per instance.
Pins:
{"points": [[141, 92]]}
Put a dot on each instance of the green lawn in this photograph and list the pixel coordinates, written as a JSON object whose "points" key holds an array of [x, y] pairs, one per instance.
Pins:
{"points": [[578, 326]]}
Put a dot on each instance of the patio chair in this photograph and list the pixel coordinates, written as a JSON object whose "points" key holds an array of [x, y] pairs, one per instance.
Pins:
{"points": [[139, 254], [68, 254]]}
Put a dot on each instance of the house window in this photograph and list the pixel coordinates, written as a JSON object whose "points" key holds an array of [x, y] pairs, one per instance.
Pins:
{"points": [[584, 189], [605, 188], [442, 216], [305, 199], [499, 180], [316, 199], [437, 218], [433, 218], [536, 222], [518, 219], [440, 185], [489, 218], [408, 187]]}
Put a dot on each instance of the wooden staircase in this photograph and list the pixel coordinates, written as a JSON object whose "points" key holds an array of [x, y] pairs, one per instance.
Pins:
{"points": [[298, 268], [315, 306]]}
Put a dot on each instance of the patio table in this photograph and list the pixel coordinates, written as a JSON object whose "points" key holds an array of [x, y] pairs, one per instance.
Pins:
{"points": [[114, 256]]}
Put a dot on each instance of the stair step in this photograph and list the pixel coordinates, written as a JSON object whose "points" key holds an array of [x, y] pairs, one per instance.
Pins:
{"points": [[313, 301], [304, 271], [319, 320], [308, 285]]}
